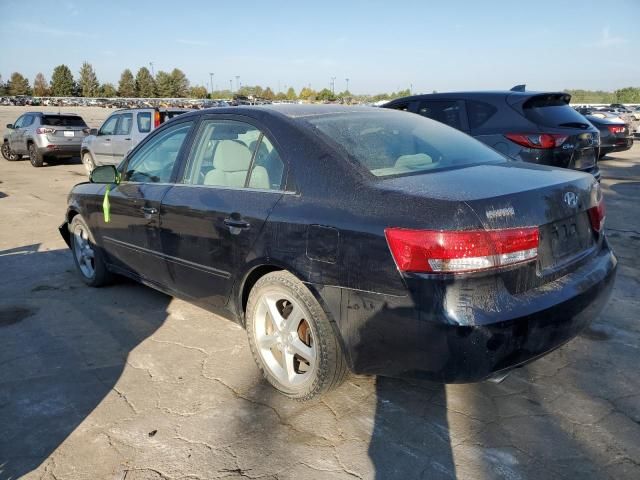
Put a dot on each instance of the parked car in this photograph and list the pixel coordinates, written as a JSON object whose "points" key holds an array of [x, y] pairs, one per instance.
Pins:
{"points": [[43, 136], [348, 238], [533, 127], [615, 134], [120, 132]]}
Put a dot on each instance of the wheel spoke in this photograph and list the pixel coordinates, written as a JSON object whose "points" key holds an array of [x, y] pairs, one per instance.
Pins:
{"points": [[289, 369], [294, 319], [303, 350], [274, 314], [268, 341]]}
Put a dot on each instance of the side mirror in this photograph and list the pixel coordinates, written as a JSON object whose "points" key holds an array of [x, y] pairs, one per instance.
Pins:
{"points": [[104, 174], [10, 126], [93, 131]]}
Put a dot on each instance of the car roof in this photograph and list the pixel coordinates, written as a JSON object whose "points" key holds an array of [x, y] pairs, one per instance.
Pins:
{"points": [[478, 94], [52, 113], [290, 111]]}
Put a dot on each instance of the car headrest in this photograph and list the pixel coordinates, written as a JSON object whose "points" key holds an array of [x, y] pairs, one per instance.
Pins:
{"points": [[231, 156], [412, 162]]}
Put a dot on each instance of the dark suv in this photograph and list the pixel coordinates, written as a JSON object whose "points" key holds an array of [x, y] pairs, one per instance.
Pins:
{"points": [[42, 136], [533, 127]]}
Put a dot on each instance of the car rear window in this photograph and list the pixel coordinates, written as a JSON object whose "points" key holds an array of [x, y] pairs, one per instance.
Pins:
{"points": [[391, 143], [553, 111], [63, 121]]}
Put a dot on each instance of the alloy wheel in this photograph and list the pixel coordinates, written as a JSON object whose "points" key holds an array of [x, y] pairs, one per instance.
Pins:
{"points": [[7, 153], [284, 339], [83, 251]]}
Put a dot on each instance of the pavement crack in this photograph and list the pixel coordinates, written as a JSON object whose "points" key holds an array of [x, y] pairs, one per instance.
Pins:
{"points": [[178, 344]]}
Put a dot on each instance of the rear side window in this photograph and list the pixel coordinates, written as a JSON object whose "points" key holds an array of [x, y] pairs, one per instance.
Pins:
{"points": [[391, 143], [479, 113], [443, 111], [63, 121], [144, 122], [553, 111], [124, 125]]}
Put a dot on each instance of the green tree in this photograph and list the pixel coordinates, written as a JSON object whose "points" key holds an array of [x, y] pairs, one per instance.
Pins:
{"points": [[325, 94], [198, 91], [40, 86], [145, 84], [628, 95], [18, 85], [180, 83], [268, 94], [127, 84], [62, 83], [3, 87], [291, 94], [88, 81], [108, 90], [307, 94], [164, 86]]}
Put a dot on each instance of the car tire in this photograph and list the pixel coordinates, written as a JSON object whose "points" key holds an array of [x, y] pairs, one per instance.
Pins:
{"points": [[299, 356], [87, 161], [35, 157], [8, 154], [88, 258]]}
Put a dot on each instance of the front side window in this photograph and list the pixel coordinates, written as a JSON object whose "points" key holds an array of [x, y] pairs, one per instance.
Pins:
{"points": [[443, 111], [124, 125], [28, 120], [222, 154], [144, 122], [109, 127], [20, 122], [153, 162], [390, 143]]}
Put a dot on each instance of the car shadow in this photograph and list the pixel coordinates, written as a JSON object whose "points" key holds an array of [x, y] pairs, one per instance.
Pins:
{"points": [[63, 347]]}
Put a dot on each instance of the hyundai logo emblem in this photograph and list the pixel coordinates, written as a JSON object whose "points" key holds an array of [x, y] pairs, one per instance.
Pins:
{"points": [[571, 199]]}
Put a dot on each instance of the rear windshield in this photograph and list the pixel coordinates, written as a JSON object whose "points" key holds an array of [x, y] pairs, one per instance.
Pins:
{"points": [[553, 111], [390, 143], [63, 121]]}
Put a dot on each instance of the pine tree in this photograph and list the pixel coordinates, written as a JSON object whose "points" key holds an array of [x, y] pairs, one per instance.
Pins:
{"points": [[88, 81], [40, 86], [127, 84], [145, 84], [62, 84], [18, 85]]}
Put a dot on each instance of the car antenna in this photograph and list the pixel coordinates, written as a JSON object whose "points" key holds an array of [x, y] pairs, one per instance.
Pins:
{"points": [[519, 88]]}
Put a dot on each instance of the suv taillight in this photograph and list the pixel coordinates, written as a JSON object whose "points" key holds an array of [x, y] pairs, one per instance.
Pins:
{"points": [[615, 129], [45, 130], [537, 140], [435, 251], [156, 119]]}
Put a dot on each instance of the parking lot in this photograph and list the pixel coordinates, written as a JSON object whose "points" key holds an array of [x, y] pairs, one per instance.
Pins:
{"points": [[125, 382]]}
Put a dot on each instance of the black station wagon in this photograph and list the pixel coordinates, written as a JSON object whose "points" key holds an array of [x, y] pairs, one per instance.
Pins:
{"points": [[351, 239]]}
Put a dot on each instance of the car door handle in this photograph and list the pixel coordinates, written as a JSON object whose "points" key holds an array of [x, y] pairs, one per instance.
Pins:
{"points": [[149, 211], [107, 139], [236, 224], [127, 139]]}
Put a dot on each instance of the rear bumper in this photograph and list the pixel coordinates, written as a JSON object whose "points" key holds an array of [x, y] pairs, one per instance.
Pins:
{"points": [[61, 150], [618, 145], [459, 332]]}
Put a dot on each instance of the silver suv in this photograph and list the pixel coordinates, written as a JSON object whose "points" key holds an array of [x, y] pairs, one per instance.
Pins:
{"points": [[119, 133], [42, 136]]}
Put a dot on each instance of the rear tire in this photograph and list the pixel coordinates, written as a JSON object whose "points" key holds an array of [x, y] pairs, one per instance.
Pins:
{"points": [[88, 258], [292, 340], [35, 157], [8, 154]]}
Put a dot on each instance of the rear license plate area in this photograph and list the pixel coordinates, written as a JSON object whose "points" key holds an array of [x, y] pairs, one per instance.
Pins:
{"points": [[585, 158], [69, 133], [564, 240]]}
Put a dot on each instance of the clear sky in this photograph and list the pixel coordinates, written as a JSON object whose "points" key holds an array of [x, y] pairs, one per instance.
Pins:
{"points": [[379, 45]]}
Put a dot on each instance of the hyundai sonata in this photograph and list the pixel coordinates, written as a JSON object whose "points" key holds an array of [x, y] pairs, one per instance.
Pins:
{"points": [[351, 239]]}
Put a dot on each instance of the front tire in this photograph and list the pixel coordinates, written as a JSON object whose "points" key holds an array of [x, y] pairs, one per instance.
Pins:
{"points": [[292, 340], [35, 157], [87, 161], [88, 258], [9, 154]]}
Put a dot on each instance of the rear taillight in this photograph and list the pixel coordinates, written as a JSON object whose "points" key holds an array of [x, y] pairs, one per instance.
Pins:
{"points": [[537, 140], [597, 214], [45, 130], [86, 131], [156, 119], [435, 251], [615, 129]]}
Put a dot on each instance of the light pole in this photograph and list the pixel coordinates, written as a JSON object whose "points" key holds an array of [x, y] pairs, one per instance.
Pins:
{"points": [[231, 85], [347, 80], [211, 80], [153, 74], [333, 85], [410, 88], [237, 82]]}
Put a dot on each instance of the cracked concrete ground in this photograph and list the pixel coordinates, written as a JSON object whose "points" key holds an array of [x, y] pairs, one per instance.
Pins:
{"points": [[127, 383]]}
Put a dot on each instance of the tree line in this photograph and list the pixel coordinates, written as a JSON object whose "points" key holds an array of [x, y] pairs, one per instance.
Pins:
{"points": [[175, 84]]}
